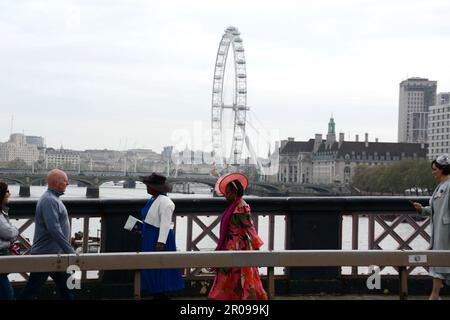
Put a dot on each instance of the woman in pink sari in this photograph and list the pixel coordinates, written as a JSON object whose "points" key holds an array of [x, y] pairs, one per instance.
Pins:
{"points": [[236, 233]]}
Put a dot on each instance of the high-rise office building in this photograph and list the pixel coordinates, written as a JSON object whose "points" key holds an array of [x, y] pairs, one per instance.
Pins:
{"points": [[416, 96], [17, 149], [439, 126], [443, 98], [38, 141]]}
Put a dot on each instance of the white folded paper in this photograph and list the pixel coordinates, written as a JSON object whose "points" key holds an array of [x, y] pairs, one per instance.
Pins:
{"points": [[133, 224]]}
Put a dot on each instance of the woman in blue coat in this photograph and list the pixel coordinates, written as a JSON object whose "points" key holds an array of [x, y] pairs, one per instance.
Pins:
{"points": [[157, 235]]}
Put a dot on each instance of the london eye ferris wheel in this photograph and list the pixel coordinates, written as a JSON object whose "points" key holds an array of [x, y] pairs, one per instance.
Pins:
{"points": [[230, 39]]}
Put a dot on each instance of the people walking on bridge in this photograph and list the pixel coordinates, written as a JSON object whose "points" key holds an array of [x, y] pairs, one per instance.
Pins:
{"points": [[157, 235], [8, 233], [439, 210], [237, 232], [51, 235]]}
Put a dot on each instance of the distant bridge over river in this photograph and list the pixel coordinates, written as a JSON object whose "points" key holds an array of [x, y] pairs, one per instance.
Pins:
{"points": [[94, 179]]}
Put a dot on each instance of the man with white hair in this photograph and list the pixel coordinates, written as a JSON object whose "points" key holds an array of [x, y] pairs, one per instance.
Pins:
{"points": [[52, 234]]}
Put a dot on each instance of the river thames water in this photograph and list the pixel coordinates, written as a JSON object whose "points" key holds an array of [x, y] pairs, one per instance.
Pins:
{"points": [[107, 191]]}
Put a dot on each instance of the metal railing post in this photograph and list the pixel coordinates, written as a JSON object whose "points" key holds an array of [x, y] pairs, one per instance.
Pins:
{"points": [[137, 285], [403, 279], [270, 282], [355, 238], [85, 248]]}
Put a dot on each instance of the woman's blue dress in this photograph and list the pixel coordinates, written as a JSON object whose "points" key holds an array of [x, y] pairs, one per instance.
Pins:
{"points": [[158, 280]]}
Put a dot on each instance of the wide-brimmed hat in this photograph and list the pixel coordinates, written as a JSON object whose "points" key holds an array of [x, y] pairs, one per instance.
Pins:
{"points": [[157, 182], [223, 181]]}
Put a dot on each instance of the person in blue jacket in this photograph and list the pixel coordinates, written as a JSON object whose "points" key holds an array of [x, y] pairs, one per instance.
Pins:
{"points": [[157, 235], [51, 235]]}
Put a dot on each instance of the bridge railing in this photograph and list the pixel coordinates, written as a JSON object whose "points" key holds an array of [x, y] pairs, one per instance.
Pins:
{"points": [[385, 229], [294, 258], [309, 223]]}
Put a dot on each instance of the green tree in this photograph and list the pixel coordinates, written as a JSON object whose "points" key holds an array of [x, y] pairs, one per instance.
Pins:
{"points": [[395, 178], [360, 178], [17, 164]]}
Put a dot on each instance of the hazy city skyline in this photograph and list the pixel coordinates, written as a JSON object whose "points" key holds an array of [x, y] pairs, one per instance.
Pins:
{"points": [[123, 75]]}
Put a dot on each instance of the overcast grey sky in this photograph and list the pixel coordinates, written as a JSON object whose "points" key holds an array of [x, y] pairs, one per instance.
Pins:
{"points": [[124, 74]]}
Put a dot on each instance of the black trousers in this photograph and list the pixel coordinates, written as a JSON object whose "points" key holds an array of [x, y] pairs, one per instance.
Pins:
{"points": [[37, 279]]}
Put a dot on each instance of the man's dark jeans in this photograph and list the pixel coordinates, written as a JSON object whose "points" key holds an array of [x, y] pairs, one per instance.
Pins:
{"points": [[37, 279]]}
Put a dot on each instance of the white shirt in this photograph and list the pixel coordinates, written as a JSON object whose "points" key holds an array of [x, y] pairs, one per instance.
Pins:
{"points": [[160, 215]]}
